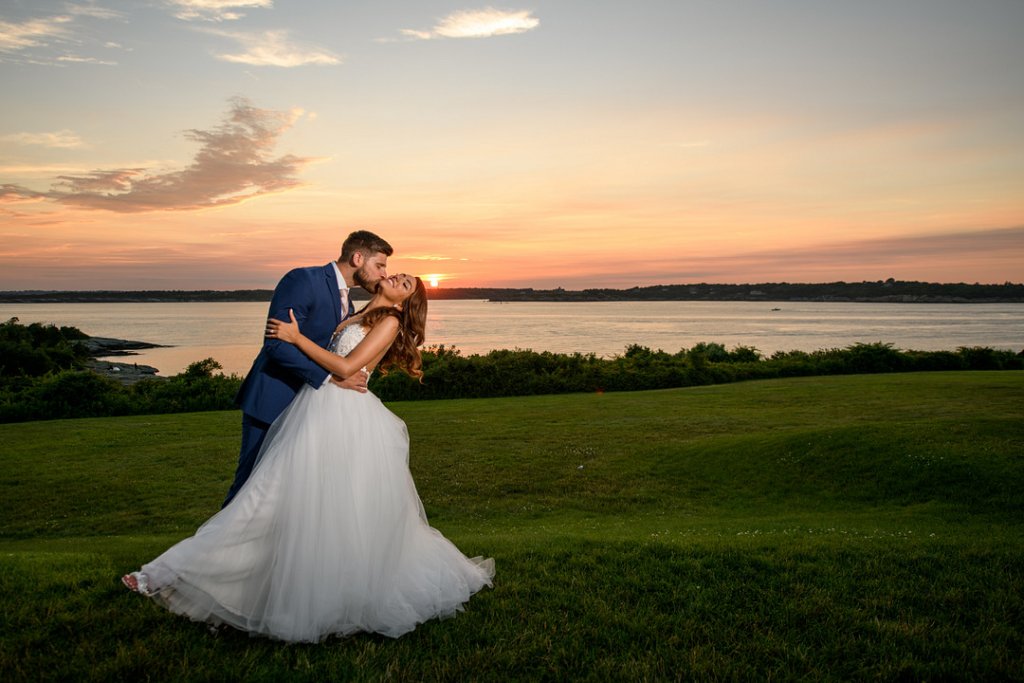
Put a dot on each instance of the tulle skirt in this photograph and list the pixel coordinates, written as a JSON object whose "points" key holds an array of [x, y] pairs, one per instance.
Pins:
{"points": [[328, 536]]}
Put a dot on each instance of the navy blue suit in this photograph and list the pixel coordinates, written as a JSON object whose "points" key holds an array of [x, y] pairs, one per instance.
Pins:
{"points": [[280, 369]]}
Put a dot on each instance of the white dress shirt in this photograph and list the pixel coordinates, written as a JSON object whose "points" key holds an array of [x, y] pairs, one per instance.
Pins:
{"points": [[342, 290]]}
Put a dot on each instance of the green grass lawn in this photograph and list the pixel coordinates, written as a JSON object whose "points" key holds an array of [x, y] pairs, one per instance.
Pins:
{"points": [[832, 528]]}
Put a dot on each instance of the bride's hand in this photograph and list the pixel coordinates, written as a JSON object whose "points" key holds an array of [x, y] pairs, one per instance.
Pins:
{"points": [[287, 332]]}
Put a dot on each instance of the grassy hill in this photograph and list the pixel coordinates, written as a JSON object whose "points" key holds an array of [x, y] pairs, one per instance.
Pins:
{"points": [[829, 528]]}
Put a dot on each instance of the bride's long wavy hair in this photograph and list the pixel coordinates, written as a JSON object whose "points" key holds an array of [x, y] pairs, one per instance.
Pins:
{"points": [[404, 352]]}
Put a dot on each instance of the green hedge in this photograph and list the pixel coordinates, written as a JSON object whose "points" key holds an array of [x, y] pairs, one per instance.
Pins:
{"points": [[83, 393], [42, 374], [449, 374]]}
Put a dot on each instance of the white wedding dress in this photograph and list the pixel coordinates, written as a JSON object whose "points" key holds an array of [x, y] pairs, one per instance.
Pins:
{"points": [[328, 535]]}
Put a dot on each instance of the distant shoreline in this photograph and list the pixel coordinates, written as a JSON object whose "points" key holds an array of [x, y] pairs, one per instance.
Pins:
{"points": [[887, 291]]}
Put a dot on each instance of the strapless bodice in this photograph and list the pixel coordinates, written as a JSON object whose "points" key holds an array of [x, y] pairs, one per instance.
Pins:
{"points": [[343, 342]]}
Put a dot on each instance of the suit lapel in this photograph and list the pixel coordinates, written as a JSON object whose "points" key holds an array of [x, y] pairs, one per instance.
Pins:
{"points": [[331, 281]]}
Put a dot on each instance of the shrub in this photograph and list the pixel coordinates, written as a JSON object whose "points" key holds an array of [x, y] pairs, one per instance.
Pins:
{"points": [[984, 358], [195, 389], [449, 374], [74, 393], [868, 358], [36, 349]]}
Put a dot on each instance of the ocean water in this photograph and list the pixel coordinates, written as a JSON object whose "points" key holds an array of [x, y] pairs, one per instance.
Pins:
{"points": [[231, 332]]}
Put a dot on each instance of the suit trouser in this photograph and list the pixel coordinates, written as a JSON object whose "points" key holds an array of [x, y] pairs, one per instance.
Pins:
{"points": [[253, 433]]}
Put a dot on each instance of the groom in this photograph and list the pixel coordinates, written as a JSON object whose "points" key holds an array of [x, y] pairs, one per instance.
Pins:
{"points": [[319, 298]]}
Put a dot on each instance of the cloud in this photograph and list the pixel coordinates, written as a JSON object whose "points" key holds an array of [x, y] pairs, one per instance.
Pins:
{"points": [[215, 10], [62, 139], [93, 11], [75, 59], [35, 41], [43, 170], [985, 255], [232, 165], [905, 249], [482, 23], [273, 48], [13, 194], [15, 37]]}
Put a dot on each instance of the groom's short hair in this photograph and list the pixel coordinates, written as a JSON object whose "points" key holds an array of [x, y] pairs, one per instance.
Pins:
{"points": [[365, 242]]}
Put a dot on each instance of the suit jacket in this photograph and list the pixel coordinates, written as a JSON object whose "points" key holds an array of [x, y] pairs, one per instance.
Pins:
{"points": [[280, 369]]}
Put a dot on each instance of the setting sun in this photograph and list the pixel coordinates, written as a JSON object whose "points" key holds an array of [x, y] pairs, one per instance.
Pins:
{"points": [[433, 280]]}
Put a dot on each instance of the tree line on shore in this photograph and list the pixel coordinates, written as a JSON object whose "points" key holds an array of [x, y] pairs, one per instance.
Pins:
{"points": [[880, 291], [887, 291], [44, 375]]}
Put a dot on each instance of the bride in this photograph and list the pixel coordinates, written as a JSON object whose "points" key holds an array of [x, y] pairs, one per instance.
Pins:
{"points": [[328, 536]]}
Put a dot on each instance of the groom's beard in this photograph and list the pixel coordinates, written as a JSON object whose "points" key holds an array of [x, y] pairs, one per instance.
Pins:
{"points": [[362, 279]]}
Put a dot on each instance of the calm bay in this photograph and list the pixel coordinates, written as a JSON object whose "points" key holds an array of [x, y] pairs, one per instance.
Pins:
{"points": [[231, 332]]}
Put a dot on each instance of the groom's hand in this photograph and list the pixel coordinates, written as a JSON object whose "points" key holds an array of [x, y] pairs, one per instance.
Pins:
{"points": [[356, 382]]}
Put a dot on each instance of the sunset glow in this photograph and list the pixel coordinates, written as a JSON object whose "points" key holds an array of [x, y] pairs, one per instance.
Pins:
{"points": [[184, 145]]}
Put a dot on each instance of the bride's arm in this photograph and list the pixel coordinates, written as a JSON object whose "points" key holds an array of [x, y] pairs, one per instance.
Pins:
{"points": [[369, 350]]}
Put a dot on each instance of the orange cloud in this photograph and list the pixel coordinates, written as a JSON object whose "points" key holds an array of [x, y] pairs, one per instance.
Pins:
{"points": [[232, 165]]}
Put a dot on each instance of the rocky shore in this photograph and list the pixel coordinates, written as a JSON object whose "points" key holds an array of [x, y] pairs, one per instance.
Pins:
{"points": [[125, 372]]}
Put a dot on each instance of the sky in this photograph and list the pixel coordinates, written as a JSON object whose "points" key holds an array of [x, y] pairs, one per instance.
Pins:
{"points": [[215, 144]]}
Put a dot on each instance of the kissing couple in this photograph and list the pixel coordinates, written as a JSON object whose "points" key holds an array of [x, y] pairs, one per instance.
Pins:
{"points": [[323, 532]]}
